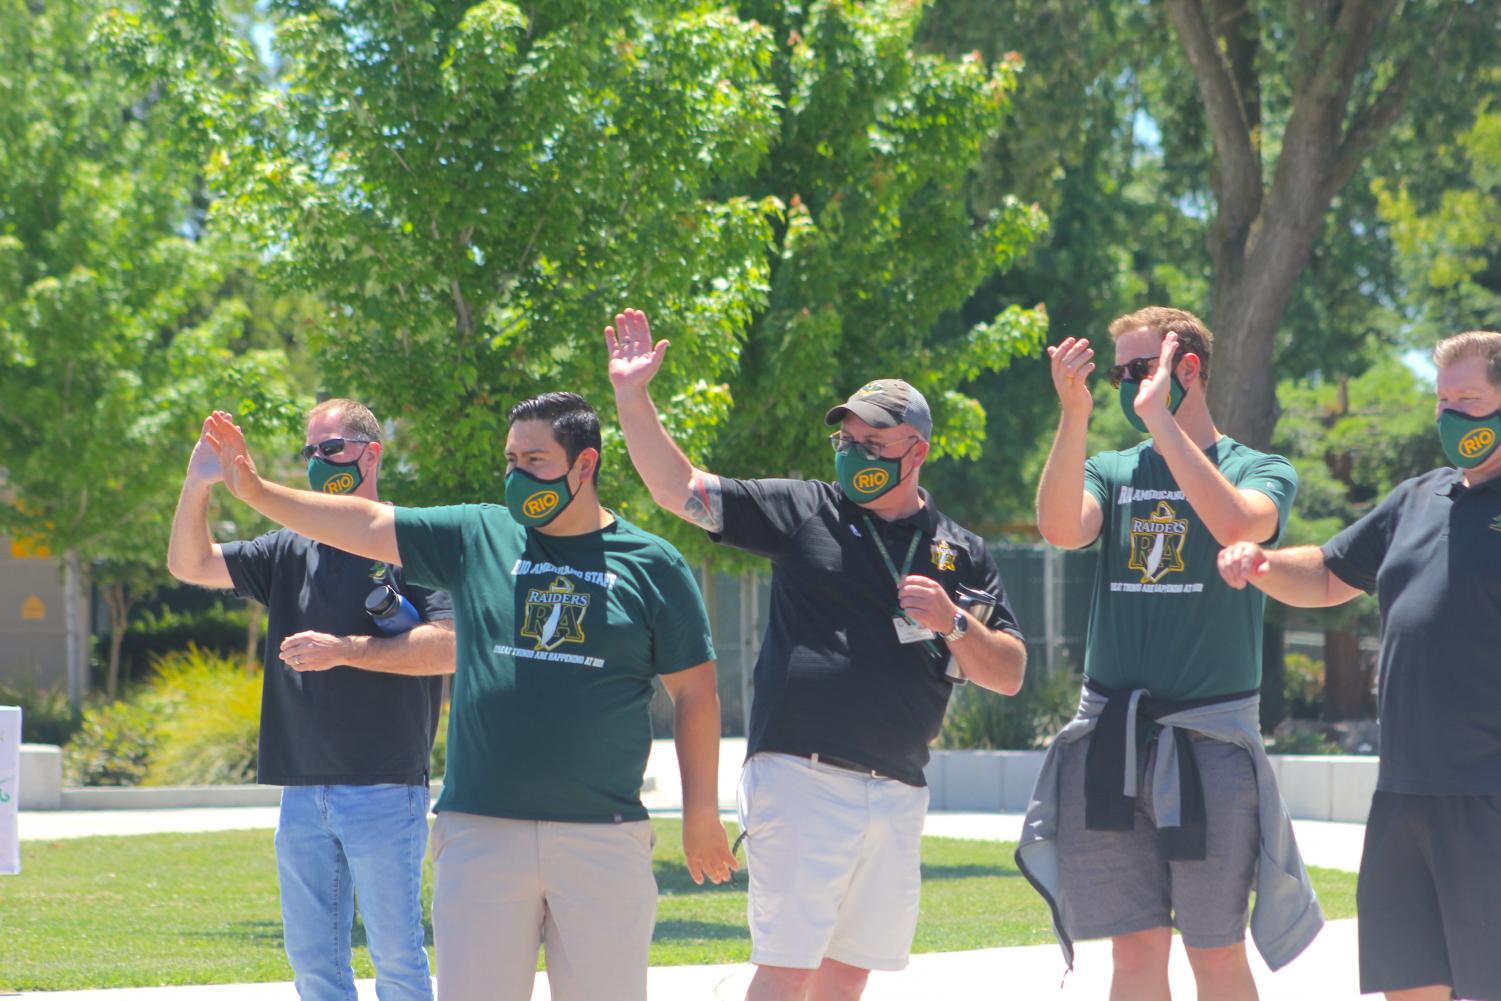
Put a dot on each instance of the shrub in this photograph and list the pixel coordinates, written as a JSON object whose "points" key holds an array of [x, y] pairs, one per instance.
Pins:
{"points": [[1302, 741], [208, 709], [194, 722], [162, 633], [1303, 686], [46, 717], [440, 746], [981, 719], [112, 747]]}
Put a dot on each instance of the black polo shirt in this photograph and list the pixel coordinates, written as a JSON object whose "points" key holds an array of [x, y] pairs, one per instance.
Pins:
{"points": [[833, 678], [343, 726], [1431, 552]]}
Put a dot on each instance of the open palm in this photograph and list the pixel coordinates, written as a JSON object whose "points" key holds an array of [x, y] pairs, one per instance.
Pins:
{"points": [[235, 464], [634, 360]]}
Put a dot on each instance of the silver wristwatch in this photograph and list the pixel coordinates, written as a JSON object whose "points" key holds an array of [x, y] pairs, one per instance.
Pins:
{"points": [[961, 626]]}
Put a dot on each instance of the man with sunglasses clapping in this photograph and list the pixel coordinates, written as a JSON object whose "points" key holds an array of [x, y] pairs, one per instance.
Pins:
{"points": [[879, 604], [348, 715], [1156, 808]]}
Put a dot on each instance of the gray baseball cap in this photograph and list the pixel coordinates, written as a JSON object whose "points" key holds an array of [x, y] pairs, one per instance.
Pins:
{"points": [[886, 403]]}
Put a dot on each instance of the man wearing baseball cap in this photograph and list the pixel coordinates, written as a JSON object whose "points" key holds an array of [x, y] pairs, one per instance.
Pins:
{"points": [[879, 604]]}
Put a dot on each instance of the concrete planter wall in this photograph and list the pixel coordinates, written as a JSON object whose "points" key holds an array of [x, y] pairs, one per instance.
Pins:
{"points": [[1315, 787]]}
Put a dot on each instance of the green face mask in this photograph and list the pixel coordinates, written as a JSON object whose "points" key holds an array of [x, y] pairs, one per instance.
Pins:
{"points": [[1469, 441], [865, 479], [1130, 388], [533, 502], [334, 477]]}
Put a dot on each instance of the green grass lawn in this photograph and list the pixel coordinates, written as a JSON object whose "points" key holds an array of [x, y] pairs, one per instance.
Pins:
{"points": [[202, 909]]}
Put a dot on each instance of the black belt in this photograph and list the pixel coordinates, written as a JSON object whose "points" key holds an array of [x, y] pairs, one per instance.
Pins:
{"points": [[843, 764]]}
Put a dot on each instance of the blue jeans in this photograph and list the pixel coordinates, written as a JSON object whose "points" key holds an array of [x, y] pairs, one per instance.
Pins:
{"points": [[331, 843]]}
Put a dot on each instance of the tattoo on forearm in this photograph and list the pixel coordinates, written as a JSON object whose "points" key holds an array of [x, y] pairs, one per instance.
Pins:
{"points": [[705, 504]]}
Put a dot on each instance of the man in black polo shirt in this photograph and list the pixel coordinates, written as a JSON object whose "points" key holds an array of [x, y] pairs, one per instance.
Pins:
{"points": [[348, 716], [1430, 878], [865, 639]]}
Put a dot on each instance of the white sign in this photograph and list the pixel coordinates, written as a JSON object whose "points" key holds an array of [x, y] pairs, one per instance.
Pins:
{"points": [[10, 789]]}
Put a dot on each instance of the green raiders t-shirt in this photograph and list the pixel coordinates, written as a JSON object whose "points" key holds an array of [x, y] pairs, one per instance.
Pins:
{"points": [[558, 641], [1162, 617]]}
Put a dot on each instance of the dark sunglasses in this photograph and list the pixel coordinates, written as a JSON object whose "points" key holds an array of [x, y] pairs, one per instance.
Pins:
{"points": [[329, 447], [1138, 368]]}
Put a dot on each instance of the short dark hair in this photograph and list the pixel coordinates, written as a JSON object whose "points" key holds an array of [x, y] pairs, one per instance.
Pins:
{"points": [[575, 424]]}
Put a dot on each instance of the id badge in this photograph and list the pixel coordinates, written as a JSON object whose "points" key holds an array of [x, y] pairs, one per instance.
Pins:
{"points": [[911, 632]]}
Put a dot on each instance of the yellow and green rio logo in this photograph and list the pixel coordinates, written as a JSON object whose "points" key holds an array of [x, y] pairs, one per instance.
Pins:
{"points": [[540, 504], [1476, 442], [870, 481], [339, 483]]}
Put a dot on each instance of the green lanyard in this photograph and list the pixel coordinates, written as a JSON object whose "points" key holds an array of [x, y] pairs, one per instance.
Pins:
{"points": [[896, 576]]}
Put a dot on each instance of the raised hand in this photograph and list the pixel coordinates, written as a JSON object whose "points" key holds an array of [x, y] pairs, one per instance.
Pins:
{"points": [[1072, 361], [634, 360], [203, 464], [1156, 389], [1243, 563], [237, 468]]}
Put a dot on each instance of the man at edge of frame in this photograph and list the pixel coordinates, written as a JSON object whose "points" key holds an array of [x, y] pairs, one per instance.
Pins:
{"points": [[1429, 893]]}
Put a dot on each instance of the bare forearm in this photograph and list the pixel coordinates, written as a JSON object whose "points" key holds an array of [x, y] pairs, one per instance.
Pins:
{"points": [[353, 524], [1060, 494], [991, 658], [1299, 577], [1228, 513], [696, 738], [191, 553], [427, 649], [674, 482]]}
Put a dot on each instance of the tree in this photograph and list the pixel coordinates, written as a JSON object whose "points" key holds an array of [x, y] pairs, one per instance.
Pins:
{"points": [[780, 188], [1450, 233], [1352, 440], [880, 242], [115, 334], [1295, 97]]}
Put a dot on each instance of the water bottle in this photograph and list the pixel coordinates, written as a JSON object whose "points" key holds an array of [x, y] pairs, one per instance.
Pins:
{"points": [[392, 612]]}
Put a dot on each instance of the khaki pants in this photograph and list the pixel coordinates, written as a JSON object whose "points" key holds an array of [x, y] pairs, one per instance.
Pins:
{"points": [[501, 887]]}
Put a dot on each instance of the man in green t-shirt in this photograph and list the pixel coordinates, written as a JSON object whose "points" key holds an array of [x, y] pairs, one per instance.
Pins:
{"points": [[1173, 656], [564, 613]]}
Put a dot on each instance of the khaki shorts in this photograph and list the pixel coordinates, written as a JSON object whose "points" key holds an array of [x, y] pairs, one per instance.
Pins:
{"points": [[502, 887], [835, 866]]}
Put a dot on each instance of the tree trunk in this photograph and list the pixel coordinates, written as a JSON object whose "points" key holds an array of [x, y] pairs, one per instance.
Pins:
{"points": [[76, 611], [119, 601], [1346, 688], [252, 635], [1251, 293], [1273, 676]]}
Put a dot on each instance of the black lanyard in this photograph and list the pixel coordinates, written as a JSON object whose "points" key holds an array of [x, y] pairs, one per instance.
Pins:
{"points": [[896, 576]]}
